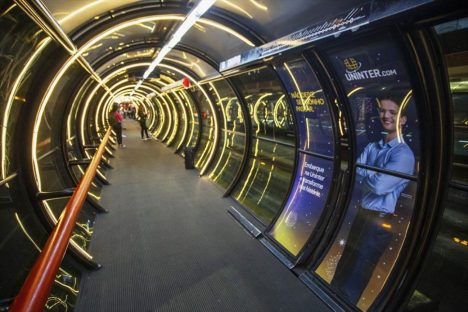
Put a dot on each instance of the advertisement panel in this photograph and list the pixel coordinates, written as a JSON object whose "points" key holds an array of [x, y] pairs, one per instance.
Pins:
{"points": [[384, 115], [305, 204], [370, 76], [314, 123]]}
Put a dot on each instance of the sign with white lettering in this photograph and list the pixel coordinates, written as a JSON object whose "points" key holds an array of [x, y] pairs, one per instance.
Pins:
{"points": [[305, 204], [314, 123], [355, 17], [369, 72]]}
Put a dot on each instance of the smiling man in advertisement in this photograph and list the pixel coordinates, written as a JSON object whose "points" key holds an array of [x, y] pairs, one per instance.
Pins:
{"points": [[370, 232]]}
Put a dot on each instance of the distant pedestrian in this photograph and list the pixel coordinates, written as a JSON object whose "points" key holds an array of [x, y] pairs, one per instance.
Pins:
{"points": [[115, 120], [142, 116]]}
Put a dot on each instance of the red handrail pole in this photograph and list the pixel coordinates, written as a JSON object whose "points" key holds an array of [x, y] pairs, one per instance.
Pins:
{"points": [[35, 290]]}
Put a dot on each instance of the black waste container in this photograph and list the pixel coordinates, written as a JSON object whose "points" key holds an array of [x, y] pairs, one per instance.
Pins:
{"points": [[189, 153]]}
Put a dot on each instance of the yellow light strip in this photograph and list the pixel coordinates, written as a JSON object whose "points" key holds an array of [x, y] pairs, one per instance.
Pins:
{"points": [[81, 9], [260, 6], [169, 117], [26, 232], [220, 104], [267, 182], [238, 8], [206, 150], [16, 85], [190, 65], [89, 44], [52, 217], [278, 123], [403, 104], [162, 119], [228, 30], [11, 7], [255, 109], [175, 127], [194, 82], [192, 116], [354, 91], [251, 171], [184, 118]]}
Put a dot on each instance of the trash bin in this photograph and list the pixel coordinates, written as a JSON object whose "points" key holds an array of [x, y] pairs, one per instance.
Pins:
{"points": [[189, 155]]}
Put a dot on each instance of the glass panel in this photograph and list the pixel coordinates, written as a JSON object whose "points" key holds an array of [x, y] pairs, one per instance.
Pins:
{"points": [[172, 104], [182, 114], [232, 139], [20, 41], [16, 244], [380, 96], [229, 158], [268, 107], [310, 107], [446, 291], [443, 284], [166, 117], [387, 140], [368, 243], [25, 55], [310, 190], [194, 124], [454, 43], [305, 204], [266, 179], [207, 135], [229, 107]]}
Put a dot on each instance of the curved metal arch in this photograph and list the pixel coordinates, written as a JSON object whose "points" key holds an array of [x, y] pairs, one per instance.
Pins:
{"points": [[140, 45], [137, 11]]}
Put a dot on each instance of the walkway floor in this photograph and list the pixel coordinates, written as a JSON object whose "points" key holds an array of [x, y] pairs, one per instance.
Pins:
{"points": [[168, 244]]}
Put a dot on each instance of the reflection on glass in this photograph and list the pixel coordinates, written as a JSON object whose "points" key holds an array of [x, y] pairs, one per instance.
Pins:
{"points": [[310, 189], [269, 110], [175, 118], [230, 158], [368, 243], [207, 136], [84, 226], [232, 139], [446, 291], [310, 106], [266, 180]]}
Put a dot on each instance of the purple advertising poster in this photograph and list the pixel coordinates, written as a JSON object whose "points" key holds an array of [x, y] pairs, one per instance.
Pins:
{"points": [[311, 107], [305, 205]]}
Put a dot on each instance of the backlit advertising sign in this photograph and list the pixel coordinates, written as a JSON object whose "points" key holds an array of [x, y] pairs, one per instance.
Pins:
{"points": [[305, 204], [310, 106], [309, 192]]}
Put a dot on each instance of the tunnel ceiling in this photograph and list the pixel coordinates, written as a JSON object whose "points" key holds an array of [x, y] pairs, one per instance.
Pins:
{"points": [[118, 39], [263, 20]]}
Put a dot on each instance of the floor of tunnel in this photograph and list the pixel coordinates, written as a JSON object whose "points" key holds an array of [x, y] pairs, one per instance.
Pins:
{"points": [[168, 244]]}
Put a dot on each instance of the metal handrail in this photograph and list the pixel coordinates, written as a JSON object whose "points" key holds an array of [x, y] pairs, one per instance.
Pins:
{"points": [[36, 288]]}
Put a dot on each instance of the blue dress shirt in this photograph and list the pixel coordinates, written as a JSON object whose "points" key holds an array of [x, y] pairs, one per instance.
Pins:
{"points": [[380, 190]]}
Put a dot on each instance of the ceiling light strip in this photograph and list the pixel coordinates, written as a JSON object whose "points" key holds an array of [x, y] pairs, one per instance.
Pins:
{"points": [[188, 22]]}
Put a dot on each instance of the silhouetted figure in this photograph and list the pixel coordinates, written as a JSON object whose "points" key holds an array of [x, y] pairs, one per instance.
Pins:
{"points": [[115, 120], [142, 116]]}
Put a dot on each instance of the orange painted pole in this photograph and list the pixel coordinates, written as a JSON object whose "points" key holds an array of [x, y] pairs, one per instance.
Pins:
{"points": [[35, 290]]}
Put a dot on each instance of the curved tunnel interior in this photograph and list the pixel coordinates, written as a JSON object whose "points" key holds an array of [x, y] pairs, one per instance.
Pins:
{"points": [[337, 133]]}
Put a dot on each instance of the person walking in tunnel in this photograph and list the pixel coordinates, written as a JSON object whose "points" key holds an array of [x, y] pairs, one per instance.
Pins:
{"points": [[142, 116], [115, 120], [368, 236]]}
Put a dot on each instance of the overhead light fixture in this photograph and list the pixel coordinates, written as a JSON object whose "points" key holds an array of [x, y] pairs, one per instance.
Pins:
{"points": [[188, 22]]}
